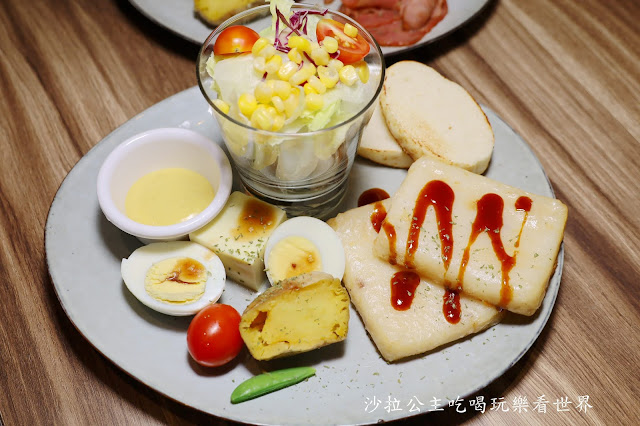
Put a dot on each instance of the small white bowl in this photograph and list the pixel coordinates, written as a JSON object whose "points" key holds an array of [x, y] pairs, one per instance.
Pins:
{"points": [[159, 149]]}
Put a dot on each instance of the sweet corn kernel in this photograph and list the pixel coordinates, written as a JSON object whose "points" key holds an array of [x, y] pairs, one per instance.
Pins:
{"points": [[336, 64], [259, 64], [300, 76], [261, 119], [330, 44], [281, 88], [291, 104], [300, 43], [348, 75], [295, 55], [271, 111], [278, 122], [247, 104], [222, 105], [309, 89], [311, 69], [267, 52], [260, 44], [263, 93], [287, 70], [350, 30], [278, 103], [320, 56], [363, 71], [328, 76], [317, 85], [273, 64], [314, 102]]}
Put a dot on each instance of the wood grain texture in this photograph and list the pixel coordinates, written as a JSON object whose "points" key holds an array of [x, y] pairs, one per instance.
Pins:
{"points": [[565, 74]]}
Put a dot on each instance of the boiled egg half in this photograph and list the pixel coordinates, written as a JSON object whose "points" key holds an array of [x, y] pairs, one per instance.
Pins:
{"points": [[301, 245], [175, 277]]}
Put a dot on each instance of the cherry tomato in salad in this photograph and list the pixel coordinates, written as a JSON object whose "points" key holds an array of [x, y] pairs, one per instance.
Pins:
{"points": [[351, 49], [213, 337], [235, 39]]}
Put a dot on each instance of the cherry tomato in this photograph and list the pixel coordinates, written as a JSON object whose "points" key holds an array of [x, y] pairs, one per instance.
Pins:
{"points": [[351, 50], [213, 337], [235, 39]]}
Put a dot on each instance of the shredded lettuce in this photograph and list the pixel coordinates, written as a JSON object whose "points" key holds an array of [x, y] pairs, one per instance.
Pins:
{"points": [[321, 118], [284, 6], [233, 76], [312, 23]]}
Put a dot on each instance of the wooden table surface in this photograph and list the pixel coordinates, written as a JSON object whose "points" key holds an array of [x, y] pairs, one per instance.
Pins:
{"points": [[565, 74]]}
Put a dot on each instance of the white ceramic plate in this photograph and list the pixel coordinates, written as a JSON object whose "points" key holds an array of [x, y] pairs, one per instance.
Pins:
{"points": [[178, 16], [84, 252]]}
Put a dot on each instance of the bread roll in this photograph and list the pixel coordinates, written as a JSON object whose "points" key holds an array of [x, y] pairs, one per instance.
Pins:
{"points": [[430, 115], [379, 145]]}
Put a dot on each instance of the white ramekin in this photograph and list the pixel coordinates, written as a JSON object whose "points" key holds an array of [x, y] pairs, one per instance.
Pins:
{"points": [[158, 149]]}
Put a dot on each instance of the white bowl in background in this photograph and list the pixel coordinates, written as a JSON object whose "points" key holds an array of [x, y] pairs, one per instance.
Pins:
{"points": [[154, 150]]}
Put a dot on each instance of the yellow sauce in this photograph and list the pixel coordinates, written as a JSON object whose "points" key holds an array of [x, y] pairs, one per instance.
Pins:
{"points": [[168, 196]]}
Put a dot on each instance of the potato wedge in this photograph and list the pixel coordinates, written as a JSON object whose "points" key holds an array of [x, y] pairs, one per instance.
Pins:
{"points": [[214, 12]]}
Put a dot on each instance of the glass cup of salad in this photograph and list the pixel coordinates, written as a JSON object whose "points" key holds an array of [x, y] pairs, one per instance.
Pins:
{"points": [[292, 87]]}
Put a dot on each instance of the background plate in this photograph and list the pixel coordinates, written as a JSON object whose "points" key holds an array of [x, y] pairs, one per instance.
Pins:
{"points": [[178, 16], [84, 252]]}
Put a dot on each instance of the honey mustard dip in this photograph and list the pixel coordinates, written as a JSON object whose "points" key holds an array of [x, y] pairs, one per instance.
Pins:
{"points": [[168, 196]]}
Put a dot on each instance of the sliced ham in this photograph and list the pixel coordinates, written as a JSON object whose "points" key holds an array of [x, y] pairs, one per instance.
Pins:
{"points": [[371, 17], [416, 13], [362, 4], [399, 22]]}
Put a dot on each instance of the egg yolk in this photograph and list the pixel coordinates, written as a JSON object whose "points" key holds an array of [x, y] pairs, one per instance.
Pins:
{"points": [[168, 196], [176, 280], [293, 256]]}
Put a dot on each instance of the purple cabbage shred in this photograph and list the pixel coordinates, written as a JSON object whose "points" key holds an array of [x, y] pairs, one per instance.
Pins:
{"points": [[297, 24]]}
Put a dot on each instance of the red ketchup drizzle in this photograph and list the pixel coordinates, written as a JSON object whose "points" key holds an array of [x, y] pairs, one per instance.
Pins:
{"points": [[451, 306], [371, 196], [523, 204], [489, 219], [403, 288], [377, 215], [439, 195], [390, 232]]}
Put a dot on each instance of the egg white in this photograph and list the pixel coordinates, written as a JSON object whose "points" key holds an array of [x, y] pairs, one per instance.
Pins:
{"points": [[320, 234], [134, 271]]}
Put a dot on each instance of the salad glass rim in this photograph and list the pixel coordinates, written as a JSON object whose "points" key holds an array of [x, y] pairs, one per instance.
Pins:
{"points": [[229, 22]]}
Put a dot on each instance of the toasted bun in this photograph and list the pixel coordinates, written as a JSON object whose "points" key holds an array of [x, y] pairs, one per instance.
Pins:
{"points": [[430, 115], [379, 145]]}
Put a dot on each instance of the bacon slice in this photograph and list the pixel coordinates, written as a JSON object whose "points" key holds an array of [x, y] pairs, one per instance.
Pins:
{"points": [[362, 4], [371, 17], [416, 13], [401, 25]]}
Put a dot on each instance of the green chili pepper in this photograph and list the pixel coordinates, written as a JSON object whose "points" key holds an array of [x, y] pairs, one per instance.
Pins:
{"points": [[269, 382]]}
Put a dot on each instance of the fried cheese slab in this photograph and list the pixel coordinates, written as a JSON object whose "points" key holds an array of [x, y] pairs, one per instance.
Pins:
{"points": [[470, 233], [399, 334]]}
